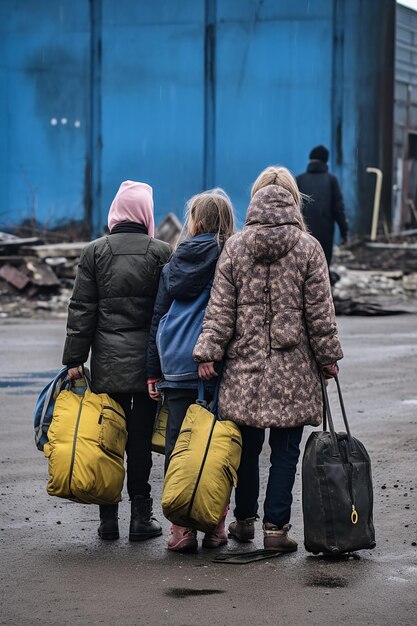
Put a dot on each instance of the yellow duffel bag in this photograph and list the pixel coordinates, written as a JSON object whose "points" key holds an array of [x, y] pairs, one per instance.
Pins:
{"points": [[202, 469], [86, 445], [159, 429]]}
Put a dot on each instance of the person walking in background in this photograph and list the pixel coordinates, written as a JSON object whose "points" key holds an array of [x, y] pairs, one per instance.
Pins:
{"points": [[324, 205], [187, 279], [110, 312], [271, 317]]}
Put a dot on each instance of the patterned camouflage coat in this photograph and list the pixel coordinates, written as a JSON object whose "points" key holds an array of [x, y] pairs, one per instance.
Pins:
{"points": [[271, 314]]}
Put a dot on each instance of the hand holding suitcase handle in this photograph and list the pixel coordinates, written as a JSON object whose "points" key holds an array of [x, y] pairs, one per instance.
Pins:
{"points": [[328, 415]]}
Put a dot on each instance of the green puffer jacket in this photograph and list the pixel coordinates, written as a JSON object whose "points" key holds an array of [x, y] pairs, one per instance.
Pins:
{"points": [[111, 309]]}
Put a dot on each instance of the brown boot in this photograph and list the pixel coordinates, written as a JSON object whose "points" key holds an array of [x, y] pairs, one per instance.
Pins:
{"points": [[243, 530], [277, 538], [218, 536]]}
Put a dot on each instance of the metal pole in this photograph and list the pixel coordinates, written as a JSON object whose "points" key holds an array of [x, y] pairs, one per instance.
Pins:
{"points": [[406, 163], [377, 199]]}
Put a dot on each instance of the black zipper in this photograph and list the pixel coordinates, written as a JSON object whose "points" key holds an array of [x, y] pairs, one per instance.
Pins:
{"points": [[107, 406], [229, 475], [190, 506], [236, 441], [173, 453], [74, 445]]}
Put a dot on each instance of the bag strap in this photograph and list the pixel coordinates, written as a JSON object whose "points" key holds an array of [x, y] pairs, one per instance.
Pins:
{"points": [[328, 413], [54, 387], [212, 407]]}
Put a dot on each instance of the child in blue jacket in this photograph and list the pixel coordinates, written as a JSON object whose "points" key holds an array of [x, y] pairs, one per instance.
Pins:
{"points": [[186, 281]]}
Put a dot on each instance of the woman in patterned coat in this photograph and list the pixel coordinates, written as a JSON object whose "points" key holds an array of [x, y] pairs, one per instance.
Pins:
{"points": [[271, 317]]}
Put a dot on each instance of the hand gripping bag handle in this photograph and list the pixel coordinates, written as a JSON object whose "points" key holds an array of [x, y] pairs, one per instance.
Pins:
{"points": [[328, 414], [215, 401]]}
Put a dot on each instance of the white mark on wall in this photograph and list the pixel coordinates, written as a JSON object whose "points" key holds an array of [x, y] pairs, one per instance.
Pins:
{"points": [[54, 121], [64, 121], [77, 123]]}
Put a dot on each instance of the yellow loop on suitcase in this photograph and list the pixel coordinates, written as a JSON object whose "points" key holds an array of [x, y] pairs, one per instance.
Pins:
{"points": [[354, 516]]}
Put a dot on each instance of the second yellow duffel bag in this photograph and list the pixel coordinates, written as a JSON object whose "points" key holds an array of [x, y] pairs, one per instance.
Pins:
{"points": [[159, 429], [202, 469], [86, 445]]}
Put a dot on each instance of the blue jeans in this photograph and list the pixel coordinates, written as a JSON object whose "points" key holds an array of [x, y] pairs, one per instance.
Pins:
{"points": [[285, 450]]}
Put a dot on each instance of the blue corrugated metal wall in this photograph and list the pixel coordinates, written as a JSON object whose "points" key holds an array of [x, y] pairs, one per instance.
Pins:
{"points": [[184, 94], [44, 69], [273, 87]]}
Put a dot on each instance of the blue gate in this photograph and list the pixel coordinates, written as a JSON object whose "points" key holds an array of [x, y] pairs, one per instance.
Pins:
{"points": [[186, 95], [45, 102]]}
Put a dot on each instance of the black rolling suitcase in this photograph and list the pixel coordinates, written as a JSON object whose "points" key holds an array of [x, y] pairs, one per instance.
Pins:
{"points": [[337, 489]]}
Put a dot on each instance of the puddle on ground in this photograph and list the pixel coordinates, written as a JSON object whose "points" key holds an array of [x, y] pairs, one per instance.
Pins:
{"points": [[26, 379], [330, 582], [184, 592], [334, 558]]}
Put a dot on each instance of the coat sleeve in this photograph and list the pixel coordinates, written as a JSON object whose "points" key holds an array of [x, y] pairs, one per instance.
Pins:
{"points": [[338, 209], [319, 310], [162, 304], [220, 317], [82, 312]]}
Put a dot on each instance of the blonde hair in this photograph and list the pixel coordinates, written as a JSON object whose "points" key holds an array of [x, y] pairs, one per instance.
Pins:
{"points": [[281, 176], [211, 212]]}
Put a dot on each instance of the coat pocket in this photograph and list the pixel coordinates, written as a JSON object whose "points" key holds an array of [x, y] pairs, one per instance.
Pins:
{"points": [[113, 435], [286, 329]]}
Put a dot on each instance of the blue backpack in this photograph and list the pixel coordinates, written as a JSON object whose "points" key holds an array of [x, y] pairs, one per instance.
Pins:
{"points": [[177, 335], [44, 409]]}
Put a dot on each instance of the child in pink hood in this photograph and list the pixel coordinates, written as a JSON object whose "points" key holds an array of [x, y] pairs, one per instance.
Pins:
{"points": [[110, 312], [133, 203]]}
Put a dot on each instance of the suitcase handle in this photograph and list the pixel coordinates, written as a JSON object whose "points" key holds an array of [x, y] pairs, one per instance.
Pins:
{"points": [[328, 414]]}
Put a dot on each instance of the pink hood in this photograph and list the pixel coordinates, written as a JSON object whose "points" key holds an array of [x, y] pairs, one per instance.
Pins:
{"points": [[133, 203]]}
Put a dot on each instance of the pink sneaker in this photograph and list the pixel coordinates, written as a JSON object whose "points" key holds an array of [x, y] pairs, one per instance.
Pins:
{"points": [[217, 537], [182, 539]]}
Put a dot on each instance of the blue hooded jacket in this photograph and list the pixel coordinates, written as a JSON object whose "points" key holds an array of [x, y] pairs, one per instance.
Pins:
{"points": [[187, 280]]}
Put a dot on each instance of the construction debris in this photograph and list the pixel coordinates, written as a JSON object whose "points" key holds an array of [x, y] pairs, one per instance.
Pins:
{"points": [[398, 255], [169, 229], [11, 242], [363, 292], [36, 279], [14, 277], [67, 250]]}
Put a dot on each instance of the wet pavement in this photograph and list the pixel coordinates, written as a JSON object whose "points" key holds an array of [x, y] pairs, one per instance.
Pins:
{"points": [[54, 569]]}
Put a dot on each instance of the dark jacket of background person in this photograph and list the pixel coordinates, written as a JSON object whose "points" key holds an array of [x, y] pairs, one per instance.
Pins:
{"points": [[112, 305], [271, 313], [184, 278], [325, 206]]}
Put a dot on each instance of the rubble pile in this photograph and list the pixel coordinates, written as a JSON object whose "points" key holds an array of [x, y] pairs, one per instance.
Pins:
{"points": [[367, 292], [375, 278], [399, 254], [36, 278]]}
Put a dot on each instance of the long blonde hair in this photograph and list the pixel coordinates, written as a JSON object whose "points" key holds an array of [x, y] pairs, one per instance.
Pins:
{"points": [[281, 176], [210, 212]]}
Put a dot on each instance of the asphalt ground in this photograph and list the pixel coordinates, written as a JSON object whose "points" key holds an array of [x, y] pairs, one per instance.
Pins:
{"points": [[55, 570]]}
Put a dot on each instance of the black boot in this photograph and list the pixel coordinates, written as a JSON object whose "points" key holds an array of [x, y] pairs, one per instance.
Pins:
{"points": [[142, 524], [109, 525]]}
